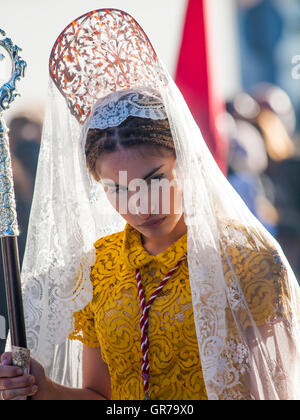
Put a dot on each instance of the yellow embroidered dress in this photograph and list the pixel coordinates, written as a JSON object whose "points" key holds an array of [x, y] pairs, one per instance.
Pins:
{"points": [[112, 320]]}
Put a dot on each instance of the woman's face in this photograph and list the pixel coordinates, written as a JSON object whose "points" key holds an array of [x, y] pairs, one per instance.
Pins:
{"points": [[141, 185]]}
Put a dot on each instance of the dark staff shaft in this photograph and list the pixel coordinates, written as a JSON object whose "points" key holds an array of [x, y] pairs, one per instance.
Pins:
{"points": [[11, 265]]}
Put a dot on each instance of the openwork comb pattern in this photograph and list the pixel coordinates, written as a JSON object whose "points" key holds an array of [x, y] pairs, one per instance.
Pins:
{"points": [[98, 53]]}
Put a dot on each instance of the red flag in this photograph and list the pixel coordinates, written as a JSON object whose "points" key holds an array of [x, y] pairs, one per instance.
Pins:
{"points": [[196, 79]]}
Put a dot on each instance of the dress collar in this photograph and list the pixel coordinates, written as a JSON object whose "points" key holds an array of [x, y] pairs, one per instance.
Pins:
{"points": [[136, 256]]}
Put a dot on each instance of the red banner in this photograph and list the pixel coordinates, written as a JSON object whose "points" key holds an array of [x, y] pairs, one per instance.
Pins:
{"points": [[196, 79]]}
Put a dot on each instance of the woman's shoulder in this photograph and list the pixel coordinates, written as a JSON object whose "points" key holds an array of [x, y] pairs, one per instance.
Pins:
{"points": [[114, 240], [242, 237], [250, 249], [253, 265], [108, 255]]}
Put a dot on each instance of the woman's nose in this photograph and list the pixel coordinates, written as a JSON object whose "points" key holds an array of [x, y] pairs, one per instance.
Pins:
{"points": [[146, 206]]}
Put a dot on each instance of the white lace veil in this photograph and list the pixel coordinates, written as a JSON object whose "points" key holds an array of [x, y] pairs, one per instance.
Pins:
{"points": [[245, 295]]}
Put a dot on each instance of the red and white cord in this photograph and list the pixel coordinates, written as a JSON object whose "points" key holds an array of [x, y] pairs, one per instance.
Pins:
{"points": [[144, 322]]}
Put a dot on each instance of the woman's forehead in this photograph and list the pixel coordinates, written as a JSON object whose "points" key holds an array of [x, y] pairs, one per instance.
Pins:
{"points": [[136, 161]]}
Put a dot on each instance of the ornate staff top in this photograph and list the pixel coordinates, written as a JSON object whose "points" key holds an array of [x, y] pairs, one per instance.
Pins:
{"points": [[8, 216], [8, 90]]}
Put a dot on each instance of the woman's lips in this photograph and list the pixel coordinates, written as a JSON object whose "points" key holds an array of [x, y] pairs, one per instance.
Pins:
{"points": [[153, 223]]}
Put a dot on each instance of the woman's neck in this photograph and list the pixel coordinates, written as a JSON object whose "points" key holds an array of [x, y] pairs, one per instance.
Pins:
{"points": [[155, 246]]}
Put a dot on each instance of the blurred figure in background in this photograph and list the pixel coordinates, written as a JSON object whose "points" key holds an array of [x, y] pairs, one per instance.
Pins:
{"points": [[264, 168], [277, 123], [25, 135], [269, 36], [24, 138], [247, 163]]}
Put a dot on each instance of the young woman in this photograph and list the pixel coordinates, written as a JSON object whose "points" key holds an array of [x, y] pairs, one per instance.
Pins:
{"points": [[183, 295]]}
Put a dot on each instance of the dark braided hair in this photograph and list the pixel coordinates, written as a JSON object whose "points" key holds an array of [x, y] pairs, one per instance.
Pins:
{"points": [[134, 131]]}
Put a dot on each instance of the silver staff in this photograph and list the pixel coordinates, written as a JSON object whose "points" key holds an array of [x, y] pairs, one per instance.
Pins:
{"points": [[9, 230]]}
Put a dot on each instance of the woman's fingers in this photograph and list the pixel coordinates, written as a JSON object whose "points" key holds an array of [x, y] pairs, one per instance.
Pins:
{"points": [[7, 370], [6, 359], [14, 385], [10, 372], [20, 393], [16, 382]]}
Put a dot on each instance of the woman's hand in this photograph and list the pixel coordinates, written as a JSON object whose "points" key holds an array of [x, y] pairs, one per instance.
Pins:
{"points": [[17, 386], [14, 385]]}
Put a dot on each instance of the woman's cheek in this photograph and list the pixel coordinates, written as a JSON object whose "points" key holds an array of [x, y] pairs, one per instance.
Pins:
{"points": [[114, 200], [176, 196]]}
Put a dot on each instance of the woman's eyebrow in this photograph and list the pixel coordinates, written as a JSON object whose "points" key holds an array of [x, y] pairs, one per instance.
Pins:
{"points": [[145, 177], [152, 172]]}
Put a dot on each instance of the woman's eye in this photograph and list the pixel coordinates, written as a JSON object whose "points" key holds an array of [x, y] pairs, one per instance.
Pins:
{"points": [[159, 176], [118, 190], [111, 189]]}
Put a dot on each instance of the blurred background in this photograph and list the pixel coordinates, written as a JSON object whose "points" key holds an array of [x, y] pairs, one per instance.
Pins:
{"points": [[237, 62]]}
